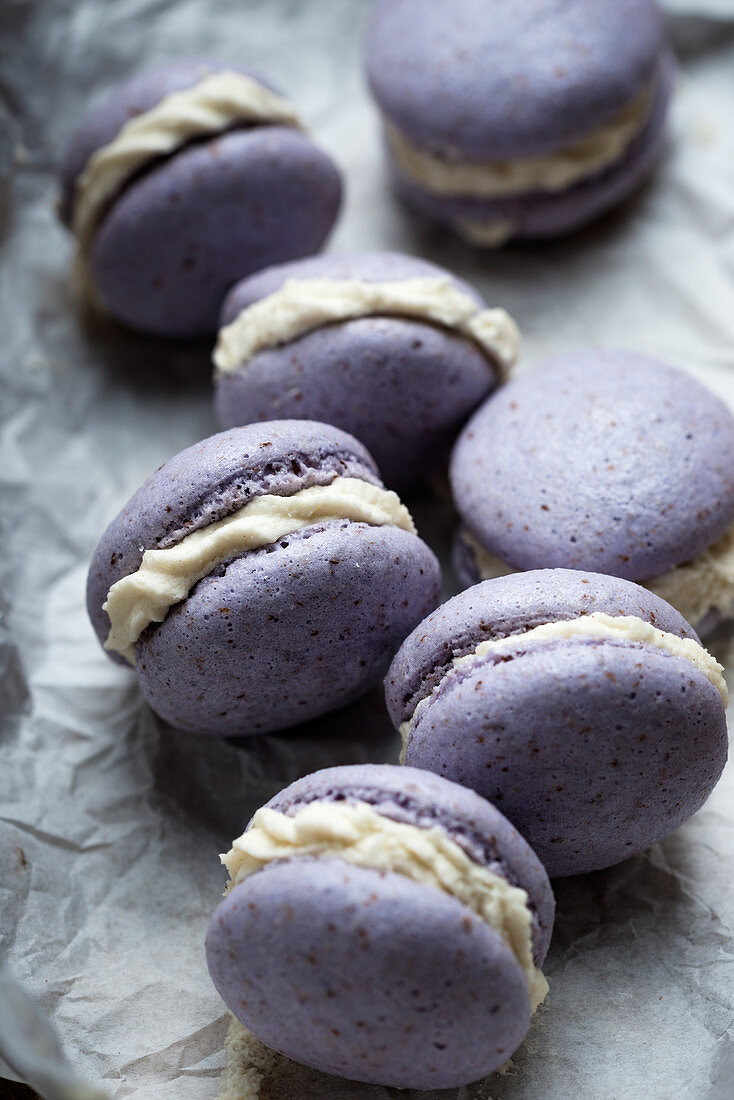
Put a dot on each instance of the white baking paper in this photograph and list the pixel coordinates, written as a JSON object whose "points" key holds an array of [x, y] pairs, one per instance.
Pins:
{"points": [[111, 824]]}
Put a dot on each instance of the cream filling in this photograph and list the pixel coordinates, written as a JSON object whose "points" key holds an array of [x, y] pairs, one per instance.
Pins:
{"points": [[489, 233], [165, 577], [706, 583], [301, 305], [358, 834], [598, 626], [212, 105], [503, 178]]}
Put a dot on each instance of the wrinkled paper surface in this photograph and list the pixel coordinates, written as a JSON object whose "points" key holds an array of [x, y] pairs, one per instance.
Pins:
{"points": [[110, 824]]}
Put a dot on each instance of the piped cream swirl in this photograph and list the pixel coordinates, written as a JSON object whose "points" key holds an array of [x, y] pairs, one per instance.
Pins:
{"points": [[301, 305], [214, 104], [165, 577], [704, 584], [598, 627], [356, 833], [551, 172]]}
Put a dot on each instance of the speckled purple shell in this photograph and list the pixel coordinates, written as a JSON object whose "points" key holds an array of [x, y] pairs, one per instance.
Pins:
{"points": [[404, 387], [559, 70], [278, 635], [186, 228], [372, 976], [593, 749], [602, 460]]}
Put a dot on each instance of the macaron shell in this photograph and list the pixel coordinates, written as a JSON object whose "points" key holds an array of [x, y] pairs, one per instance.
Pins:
{"points": [[404, 388], [422, 798], [603, 460], [178, 237], [508, 606], [368, 976], [535, 215], [559, 68], [593, 750], [211, 479], [281, 635]]}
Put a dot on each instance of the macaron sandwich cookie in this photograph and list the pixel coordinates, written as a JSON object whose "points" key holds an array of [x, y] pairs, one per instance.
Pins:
{"points": [[388, 347], [608, 461], [519, 118], [187, 178], [260, 578], [384, 925], [580, 704]]}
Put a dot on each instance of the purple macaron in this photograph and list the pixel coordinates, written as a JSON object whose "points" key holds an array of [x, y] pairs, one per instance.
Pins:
{"points": [[388, 354], [523, 118], [603, 460], [186, 179], [582, 705], [260, 578], [385, 925]]}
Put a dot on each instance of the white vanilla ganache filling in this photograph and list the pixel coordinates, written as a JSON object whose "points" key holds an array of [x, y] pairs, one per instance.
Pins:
{"points": [[706, 583], [557, 171], [212, 105], [301, 305], [165, 577], [599, 627], [358, 834]]}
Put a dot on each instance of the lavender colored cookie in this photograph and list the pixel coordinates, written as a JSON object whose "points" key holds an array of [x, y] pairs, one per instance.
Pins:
{"points": [[384, 925], [186, 179], [527, 119], [260, 578], [582, 705], [603, 460], [391, 348]]}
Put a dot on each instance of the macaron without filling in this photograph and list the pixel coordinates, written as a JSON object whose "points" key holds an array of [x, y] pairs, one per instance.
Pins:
{"points": [[186, 179], [389, 347], [582, 705], [260, 578], [608, 461], [384, 925], [525, 119]]}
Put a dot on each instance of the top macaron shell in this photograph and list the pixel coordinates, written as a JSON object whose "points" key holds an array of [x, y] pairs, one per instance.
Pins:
{"points": [[371, 975], [600, 460], [252, 647], [403, 386], [512, 79], [187, 226]]}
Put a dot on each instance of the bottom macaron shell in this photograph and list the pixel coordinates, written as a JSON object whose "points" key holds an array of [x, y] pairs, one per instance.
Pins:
{"points": [[368, 976], [550, 214], [593, 750], [401, 387], [284, 634], [177, 238]]}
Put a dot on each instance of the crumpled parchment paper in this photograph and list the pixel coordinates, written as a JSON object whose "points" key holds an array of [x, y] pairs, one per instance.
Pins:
{"points": [[110, 823]]}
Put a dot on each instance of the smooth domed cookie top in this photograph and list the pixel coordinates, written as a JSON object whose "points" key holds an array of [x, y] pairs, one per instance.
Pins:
{"points": [[422, 798], [507, 606], [508, 78], [370, 267], [601, 460]]}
